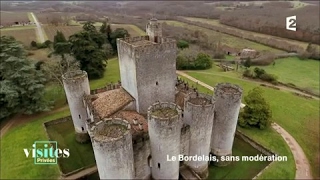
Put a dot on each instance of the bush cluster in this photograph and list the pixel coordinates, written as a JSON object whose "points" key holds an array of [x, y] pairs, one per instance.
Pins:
{"points": [[260, 74], [200, 62]]}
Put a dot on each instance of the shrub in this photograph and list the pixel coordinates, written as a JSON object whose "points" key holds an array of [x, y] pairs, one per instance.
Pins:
{"points": [[41, 45], [33, 44], [268, 77], [47, 43], [247, 73], [258, 72], [181, 44]]}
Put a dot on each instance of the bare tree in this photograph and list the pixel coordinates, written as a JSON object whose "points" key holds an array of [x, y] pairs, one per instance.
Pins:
{"points": [[57, 66]]}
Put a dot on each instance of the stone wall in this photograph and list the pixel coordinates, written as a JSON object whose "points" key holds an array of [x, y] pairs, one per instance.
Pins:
{"points": [[108, 87], [142, 158], [185, 140]]}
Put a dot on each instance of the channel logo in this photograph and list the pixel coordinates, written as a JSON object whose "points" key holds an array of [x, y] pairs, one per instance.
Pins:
{"points": [[46, 152], [291, 23]]}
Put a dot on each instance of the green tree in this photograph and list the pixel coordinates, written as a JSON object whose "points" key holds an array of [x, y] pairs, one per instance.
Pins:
{"points": [[181, 44], [87, 48], [103, 28], [203, 61], [21, 85], [247, 63], [59, 37], [257, 112], [118, 33]]}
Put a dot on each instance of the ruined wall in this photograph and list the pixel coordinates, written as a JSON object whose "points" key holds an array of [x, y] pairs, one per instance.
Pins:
{"points": [[142, 155], [164, 133], [227, 107], [127, 66], [185, 140], [76, 85], [156, 74], [198, 112], [113, 151]]}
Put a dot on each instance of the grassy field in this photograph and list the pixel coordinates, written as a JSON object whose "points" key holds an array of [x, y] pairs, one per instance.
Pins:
{"points": [[51, 31], [14, 164], [228, 40], [24, 34], [7, 17], [215, 22], [81, 155], [239, 169], [299, 116], [302, 73]]}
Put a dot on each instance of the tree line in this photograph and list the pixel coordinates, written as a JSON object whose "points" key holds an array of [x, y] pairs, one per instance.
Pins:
{"points": [[23, 81]]}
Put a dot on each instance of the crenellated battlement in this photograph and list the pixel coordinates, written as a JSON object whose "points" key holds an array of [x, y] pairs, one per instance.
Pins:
{"points": [[199, 100], [109, 129], [138, 46], [108, 87], [227, 90], [164, 111], [74, 75]]}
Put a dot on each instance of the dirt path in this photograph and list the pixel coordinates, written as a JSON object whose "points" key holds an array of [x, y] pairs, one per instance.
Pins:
{"points": [[20, 119], [39, 28], [303, 170], [284, 88]]}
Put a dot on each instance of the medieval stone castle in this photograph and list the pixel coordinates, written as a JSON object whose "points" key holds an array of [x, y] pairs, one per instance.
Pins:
{"points": [[152, 115]]}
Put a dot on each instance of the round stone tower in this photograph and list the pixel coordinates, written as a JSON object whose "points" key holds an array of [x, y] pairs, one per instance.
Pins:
{"points": [[198, 113], [227, 107], [112, 145], [76, 85], [164, 126]]}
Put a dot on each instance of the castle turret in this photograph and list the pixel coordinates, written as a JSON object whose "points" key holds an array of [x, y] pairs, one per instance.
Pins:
{"points": [[164, 132], [154, 30], [76, 85], [198, 113], [227, 107], [112, 145], [148, 70]]}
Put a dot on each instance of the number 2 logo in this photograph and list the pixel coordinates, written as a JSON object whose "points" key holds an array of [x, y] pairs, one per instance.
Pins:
{"points": [[291, 23]]}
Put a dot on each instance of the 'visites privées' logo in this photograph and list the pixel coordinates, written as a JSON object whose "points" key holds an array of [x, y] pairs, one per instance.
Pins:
{"points": [[46, 152]]}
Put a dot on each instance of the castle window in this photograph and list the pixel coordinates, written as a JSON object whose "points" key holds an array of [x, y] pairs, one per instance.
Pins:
{"points": [[149, 161], [82, 128], [79, 116], [157, 83], [181, 114], [159, 165]]}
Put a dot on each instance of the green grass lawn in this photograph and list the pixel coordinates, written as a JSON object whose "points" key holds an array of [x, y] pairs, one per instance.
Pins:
{"points": [[239, 169], [302, 73], [226, 39], [14, 164], [111, 74], [81, 155], [299, 116]]}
